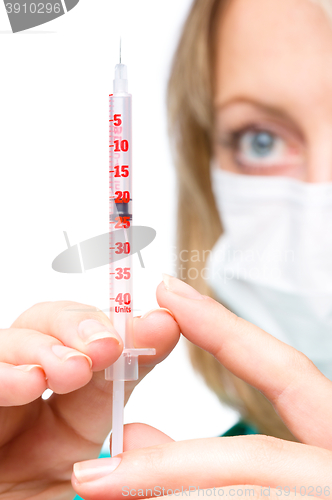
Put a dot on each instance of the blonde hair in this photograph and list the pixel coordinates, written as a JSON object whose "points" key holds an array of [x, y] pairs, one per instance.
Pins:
{"points": [[190, 118]]}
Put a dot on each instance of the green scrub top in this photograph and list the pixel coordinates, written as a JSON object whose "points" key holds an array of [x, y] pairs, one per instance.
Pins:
{"points": [[242, 428]]}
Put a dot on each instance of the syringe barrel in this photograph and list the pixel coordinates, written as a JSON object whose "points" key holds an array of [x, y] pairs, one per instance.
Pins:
{"points": [[120, 214], [120, 229]]}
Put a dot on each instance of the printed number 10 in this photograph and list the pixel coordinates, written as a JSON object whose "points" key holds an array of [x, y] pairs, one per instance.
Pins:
{"points": [[121, 144]]}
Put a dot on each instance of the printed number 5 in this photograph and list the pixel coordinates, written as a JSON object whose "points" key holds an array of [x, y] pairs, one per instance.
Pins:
{"points": [[117, 120]]}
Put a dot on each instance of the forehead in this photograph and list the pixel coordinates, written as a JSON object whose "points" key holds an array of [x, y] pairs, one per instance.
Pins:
{"points": [[274, 50]]}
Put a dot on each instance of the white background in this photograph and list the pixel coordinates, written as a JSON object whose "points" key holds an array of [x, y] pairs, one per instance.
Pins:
{"points": [[55, 81]]}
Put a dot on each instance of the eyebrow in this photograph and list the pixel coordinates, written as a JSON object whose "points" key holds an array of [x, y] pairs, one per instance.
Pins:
{"points": [[272, 110], [277, 112]]}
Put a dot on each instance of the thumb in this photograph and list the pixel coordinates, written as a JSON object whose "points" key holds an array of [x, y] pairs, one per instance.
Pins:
{"points": [[135, 436]]}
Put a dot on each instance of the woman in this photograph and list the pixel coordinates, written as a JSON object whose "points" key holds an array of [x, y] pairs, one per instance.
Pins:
{"points": [[242, 91], [250, 89]]}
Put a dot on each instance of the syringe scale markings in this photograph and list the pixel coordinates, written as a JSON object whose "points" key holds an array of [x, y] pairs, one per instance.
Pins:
{"points": [[120, 217]]}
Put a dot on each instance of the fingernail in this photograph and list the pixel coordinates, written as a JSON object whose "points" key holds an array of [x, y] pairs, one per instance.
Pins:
{"points": [[90, 330], [180, 287], [156, 310], [64, 353], [95, 469], [27, 368]]}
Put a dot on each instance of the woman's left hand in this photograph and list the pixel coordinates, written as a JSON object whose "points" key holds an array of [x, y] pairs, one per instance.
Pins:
{"points": [[244, 466]]}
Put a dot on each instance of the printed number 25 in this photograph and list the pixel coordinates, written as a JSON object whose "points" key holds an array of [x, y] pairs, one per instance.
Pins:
{"points": [[123, 222]]}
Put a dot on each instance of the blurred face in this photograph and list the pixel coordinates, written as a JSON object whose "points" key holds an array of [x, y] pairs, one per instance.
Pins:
{"points": [[273, 94]]}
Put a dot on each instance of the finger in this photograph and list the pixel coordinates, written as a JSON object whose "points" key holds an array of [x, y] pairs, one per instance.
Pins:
{"points": [[66, 369], [297, 389], [19, 385], [157, 328], [79, 326], [89, 410], [256, 460], [142, 436]]}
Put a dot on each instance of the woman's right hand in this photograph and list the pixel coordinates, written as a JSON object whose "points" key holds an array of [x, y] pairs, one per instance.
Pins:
{"points": [[64, 346], [260, 467]]}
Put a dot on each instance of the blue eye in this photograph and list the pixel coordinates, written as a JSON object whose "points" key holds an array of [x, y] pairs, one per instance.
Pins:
{"points": [[262, 143], [260, 148]]}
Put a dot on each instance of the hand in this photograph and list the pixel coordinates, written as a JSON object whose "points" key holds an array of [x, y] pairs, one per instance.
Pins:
{"points": [[52, 346], [299, 392]]}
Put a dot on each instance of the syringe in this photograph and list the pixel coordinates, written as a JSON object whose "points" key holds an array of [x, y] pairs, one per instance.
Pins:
{"points": [[120, 242]]}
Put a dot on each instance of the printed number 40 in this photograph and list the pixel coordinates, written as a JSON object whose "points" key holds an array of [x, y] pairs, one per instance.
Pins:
{"points": [[123, 298]]}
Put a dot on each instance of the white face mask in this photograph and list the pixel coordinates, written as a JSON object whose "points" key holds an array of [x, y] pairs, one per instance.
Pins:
{"points": [[273, 264]]}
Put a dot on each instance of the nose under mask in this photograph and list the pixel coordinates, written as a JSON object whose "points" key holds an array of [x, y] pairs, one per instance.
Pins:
{"points": [[273, 264]]}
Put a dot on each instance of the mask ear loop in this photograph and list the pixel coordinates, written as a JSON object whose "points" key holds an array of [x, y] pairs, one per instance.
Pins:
{"points": [[214, 163]]}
